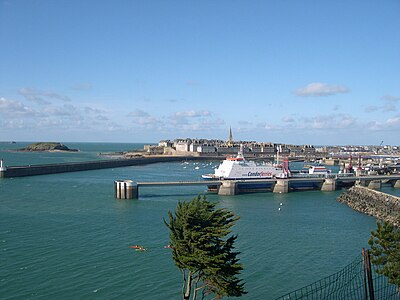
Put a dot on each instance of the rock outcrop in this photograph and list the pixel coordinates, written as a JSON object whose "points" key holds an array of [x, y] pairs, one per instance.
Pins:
{"points": [[374, 203], [46, 146]]}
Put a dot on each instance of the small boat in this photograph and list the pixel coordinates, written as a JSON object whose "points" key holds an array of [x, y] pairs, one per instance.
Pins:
{"points": [[318, 170], [138, 248]]}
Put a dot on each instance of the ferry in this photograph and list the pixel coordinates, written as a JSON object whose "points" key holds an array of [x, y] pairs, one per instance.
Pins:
{"points": [[318, 170], [239, 168]]}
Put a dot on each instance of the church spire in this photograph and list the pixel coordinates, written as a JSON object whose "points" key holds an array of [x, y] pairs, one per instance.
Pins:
{"points": [[230, 140]]}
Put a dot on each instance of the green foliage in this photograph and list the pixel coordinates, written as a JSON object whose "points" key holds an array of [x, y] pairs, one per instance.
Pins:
{"points": [[201, 250], [385, 250]]}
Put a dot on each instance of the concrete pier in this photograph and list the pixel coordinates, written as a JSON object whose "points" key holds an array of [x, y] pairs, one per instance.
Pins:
{"points": [[281, 186], [329, 185], [375, 184], [228, 188], [396, 184], [361, 183], [126, 189]]}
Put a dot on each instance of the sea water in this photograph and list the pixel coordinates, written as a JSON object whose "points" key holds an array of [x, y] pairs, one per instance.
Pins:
{"points": [[64, 236]]}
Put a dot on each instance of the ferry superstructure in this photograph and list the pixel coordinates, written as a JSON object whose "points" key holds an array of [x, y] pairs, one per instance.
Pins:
{"points": [[318, 170], [240, 168]]}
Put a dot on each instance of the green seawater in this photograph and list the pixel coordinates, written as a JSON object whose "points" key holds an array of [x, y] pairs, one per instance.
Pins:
{"points": [[64, 236]]}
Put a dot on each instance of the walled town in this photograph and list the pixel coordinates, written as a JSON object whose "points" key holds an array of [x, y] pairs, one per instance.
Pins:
{"points": [[378, 155]]}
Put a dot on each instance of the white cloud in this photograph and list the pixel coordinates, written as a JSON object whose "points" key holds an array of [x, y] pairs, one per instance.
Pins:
{"points": [[288, 119], [51, 122], [267, 126], [16, 114], [331, 121], [317, 89], [391, 98], [41, 97], [206, 125], [372, 108], [389, 105], [317, 122], [14, 109], [193, 120], [392, 123], [193, 113], [91, 110], [189, 119], [244, 123], [138, 113], [101, 118], [13, 124], [144, 120], [66, 110], [114, 127], [150, 120]]}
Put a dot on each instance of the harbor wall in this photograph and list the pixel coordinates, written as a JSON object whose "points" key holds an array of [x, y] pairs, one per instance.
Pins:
{"points": [[20, 171], [374, 203]]}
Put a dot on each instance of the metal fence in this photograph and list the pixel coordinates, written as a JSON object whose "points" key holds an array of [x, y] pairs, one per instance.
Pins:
{"points": [[356, 281]]}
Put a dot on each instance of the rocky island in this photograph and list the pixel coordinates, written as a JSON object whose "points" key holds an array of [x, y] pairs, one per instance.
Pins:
{"points": [[47, 146]]}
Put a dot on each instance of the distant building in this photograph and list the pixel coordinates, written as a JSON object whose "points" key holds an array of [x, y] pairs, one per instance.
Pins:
{"points": [[165, 143], [182, 145], [205, 148]]}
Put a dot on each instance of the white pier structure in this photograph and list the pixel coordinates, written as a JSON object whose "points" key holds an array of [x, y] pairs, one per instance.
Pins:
{"points": [[128, 189]]}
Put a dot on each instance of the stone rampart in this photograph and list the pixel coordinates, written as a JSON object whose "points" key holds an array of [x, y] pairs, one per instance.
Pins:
{"points": [[19, 171], [374, 203]]}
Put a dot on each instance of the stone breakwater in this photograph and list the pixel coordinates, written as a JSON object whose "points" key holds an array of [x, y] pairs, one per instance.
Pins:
{"points": [[19, 171], [374, 203]]}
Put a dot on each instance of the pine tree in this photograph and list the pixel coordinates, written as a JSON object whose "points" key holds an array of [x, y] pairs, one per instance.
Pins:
{"points": [[385, 250], [201, 250]]}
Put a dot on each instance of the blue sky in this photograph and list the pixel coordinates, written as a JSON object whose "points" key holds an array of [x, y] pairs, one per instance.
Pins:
{"points": [[301, 72]]}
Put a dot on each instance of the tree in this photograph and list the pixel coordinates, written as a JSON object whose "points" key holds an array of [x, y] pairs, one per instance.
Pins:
{"points": [[385, 250], [201, 250]]}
